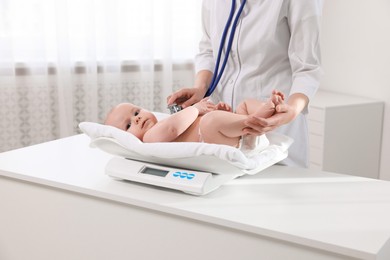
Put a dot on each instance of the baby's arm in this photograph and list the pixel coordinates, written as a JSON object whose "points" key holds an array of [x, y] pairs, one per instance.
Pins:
{"points": [[205, 105], [171, 127]]}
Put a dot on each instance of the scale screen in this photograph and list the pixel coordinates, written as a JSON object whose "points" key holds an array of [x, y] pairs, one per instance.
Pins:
{"points": [[155, 172]]}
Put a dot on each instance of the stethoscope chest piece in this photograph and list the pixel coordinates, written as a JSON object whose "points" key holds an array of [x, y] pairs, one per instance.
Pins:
{"points": [[174, 108]]}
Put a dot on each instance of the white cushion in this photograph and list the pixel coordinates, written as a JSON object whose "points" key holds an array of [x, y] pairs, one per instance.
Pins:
{"points": [[122, 143]]}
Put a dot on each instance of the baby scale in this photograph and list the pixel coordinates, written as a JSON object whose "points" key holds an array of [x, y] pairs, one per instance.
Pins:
{"points": [[195, 175], [185, 180]]}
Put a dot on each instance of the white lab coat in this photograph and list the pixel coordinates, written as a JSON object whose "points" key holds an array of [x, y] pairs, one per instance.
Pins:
{"points": [[276, 46]]}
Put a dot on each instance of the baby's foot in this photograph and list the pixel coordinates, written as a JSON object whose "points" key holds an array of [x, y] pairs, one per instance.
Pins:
{"points": [[277, 97], [266, 110]]}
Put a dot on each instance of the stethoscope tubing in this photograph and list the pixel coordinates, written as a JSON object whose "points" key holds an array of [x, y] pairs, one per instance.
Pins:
{"points": [[218, 74]]}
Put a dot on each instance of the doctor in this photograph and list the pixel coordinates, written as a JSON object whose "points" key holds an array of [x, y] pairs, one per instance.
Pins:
{"points": [[275, 46]]}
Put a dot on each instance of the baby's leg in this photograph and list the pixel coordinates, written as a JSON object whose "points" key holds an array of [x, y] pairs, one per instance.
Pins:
{"points": [[221, 127], [260, 108], [264, 109], [248, 106]]}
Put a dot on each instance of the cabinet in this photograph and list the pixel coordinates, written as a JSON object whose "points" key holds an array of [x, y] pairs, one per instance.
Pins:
{"points": [[345, 134]]}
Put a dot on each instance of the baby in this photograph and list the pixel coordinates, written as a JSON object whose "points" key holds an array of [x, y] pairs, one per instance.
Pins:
{"points": [[202, 122]]}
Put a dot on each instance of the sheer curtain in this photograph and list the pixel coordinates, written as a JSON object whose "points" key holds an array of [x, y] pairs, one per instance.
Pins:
{"points": [[67, 61]]}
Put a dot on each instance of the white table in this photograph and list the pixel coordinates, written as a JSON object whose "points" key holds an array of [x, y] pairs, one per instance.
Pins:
{"points": [[57, 203]]}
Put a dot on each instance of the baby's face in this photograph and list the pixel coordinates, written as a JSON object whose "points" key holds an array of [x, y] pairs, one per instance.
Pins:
{"points": [[131, 118]]}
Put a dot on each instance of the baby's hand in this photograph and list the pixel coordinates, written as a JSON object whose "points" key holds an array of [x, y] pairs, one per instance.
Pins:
{"points": [[204, 106], [223, 106]]}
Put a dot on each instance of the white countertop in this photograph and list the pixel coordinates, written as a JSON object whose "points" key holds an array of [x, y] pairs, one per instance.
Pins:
{"points": [[338, 213]]}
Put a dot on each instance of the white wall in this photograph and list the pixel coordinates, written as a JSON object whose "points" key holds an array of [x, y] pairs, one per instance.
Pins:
{"points": [[356, 56]]}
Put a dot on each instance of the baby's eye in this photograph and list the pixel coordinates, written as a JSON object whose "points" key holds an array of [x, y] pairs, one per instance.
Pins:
{"points": [[128, 126], [136, 113]]}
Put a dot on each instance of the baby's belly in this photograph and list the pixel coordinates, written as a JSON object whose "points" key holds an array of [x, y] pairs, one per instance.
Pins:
{"points": [[191, 134]]}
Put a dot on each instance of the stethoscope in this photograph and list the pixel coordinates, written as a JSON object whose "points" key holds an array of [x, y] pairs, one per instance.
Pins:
{"points": [[218, 74]]}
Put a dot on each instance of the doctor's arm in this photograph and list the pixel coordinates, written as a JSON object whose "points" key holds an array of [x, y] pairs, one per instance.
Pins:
{"points": [[305, 59]]}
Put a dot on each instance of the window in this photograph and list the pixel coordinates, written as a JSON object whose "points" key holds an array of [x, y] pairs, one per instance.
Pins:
{"points": [[101, 30]]}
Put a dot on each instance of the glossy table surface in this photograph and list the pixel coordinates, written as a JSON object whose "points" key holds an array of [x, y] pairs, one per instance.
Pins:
{"points": [[344, 214]]}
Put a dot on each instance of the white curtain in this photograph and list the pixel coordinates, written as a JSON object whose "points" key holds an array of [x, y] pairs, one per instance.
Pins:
{"points": [[67, 61]]}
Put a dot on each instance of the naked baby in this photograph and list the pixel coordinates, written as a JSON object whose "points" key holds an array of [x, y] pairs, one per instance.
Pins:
{"points": [[201, 122]]}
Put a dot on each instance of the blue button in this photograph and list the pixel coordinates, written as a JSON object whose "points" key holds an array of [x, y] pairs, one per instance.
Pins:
{"points": [[184, 175]]}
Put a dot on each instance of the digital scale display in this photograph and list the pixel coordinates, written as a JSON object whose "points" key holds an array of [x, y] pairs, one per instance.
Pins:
{"points": [[154, 171]]}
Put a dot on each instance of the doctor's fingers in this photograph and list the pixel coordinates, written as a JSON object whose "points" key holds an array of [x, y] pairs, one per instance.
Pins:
{"points": [[252, 121], [175, 98], [252, 131], [263, 124], [258, 129], [189, 102], [180, 96]]}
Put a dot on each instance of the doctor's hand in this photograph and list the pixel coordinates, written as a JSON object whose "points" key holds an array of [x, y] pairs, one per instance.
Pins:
{"points": [[186, 97], [285, 113], [258, 125]]}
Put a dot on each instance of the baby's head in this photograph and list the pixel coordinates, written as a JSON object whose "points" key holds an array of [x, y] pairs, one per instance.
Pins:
{"points": [[131, 118]]}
